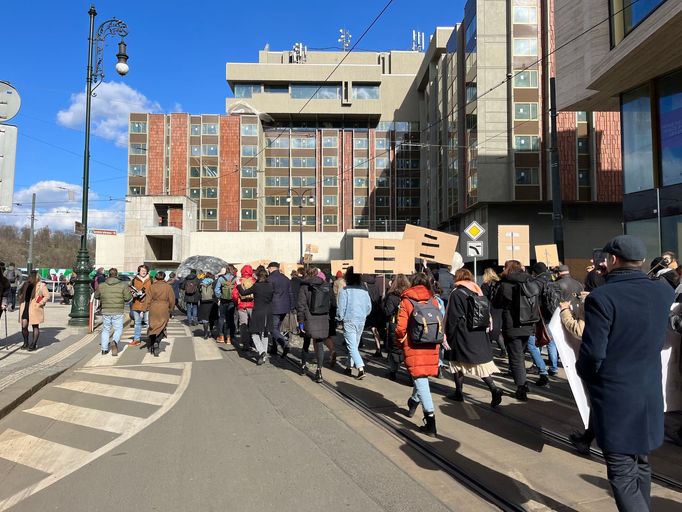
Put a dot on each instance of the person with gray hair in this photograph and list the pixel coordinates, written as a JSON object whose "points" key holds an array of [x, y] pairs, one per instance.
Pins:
{"points": [[113, 294]]}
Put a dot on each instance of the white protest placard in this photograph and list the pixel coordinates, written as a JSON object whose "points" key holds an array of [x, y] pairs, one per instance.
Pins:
{"points": [[670, 364], [568, 347]]}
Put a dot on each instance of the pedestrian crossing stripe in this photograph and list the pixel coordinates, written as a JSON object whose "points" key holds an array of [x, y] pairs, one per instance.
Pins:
{"points": [[57, 460]]}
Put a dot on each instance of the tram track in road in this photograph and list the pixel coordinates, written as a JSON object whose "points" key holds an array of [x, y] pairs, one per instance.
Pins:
{"points": [[456, 472], [560, 439]]}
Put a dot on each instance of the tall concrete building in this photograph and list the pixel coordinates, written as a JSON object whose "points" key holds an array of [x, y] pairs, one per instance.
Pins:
{"points": [[632, 64], [484, 110]]}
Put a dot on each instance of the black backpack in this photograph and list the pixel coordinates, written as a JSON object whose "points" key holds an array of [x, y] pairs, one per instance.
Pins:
{"points": [[320, 299], [191, 287], [478, 310], [528, 300], [551, 297], [425, 325]]}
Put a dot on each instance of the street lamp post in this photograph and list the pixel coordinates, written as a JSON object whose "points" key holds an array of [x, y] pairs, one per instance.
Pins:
{"points": [[81, 298], [301, 194]]}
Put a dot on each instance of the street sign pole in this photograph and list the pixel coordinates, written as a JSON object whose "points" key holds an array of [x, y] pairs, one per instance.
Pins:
{"points": [[475, 271]]}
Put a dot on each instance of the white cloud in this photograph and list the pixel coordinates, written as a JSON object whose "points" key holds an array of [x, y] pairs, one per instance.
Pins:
{"points": [[177, 107], [110, 108], [58, 206]]}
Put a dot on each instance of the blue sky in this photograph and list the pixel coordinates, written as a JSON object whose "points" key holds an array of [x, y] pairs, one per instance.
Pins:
{"points": [[178, 52]]}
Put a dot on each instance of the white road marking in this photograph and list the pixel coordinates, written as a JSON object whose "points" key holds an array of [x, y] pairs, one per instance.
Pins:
{"points": [[85, 417], [125, 373], [165, 350], [205, 350], [107, 360], [37, 453], [60, 460], [111, 391]]}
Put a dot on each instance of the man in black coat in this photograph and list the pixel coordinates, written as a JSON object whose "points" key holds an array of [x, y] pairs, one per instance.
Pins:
{"points": [[620, 363], [282, 303]]}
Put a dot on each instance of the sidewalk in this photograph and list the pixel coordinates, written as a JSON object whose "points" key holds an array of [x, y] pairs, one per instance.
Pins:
{"points": [[22, 373]]}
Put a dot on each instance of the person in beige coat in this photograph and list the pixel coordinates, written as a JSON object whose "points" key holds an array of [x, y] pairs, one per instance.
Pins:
{"points": [[33, 295], [162, 303]]}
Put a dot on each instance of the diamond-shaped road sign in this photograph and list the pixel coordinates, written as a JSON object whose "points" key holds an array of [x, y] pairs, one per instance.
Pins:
{"points": [[474, 230]]}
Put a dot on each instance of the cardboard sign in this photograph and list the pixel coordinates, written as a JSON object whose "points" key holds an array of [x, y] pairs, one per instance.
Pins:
{"points": [[312, 249], [341, 265], [287, 268], [513, 243], [379, 256], [548, 254], [432, 245]]}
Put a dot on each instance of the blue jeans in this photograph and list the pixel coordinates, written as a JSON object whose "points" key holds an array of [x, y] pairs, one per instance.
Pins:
{"points": [[226, 326], [422, 393], [137, 316], [109, 321], [192, 310], [537, 356], [275, 333], [352, 334]]}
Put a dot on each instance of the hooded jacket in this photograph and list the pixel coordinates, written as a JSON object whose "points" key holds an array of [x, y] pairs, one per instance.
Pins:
{"points": [[315, 326], [420, 360], [242, 298], [113, 294], [506, 298], [195, 297]]}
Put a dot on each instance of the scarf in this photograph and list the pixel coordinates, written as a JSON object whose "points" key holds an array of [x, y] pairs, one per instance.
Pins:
{"points": [[470, 285]]}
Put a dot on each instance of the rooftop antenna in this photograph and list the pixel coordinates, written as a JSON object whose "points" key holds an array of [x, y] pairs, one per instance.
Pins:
{"points": [[299, 53], [418, 41], [345, 38]]}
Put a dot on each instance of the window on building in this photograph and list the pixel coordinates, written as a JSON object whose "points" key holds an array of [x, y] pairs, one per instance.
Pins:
{"points": [[407, 202], [249, 129], [209, 129], [209, 171], [471, 91], [137, 170], [527, 176], [277, 142], [627, 14], [137, 191], [361, 201], [195, 129], [330, 220], [381, 143], [303, 143], [316, 91], [365, 92], [248, 214], [360, 163], [361, 182], [525, 47], [581, 116], [246, 90], [249, 150], [360, 143], [527, 143], [403, 182], [308, 220], [209, 213], [138, 127], [279, 161], [526, 79], [384, 126], [194, 193], [382, 201], [584, 178], [360, 221], [249, 172], [638, 167], [330, 200], [138, 149], [195, 150], [670, 125], [329, 142], [381, 162], [194, 172], [277, 181], [330, 161], [303, 181], [525, 14], [276, 201], [211, 150], [303, 162], [248, 193], [382, 182], [525, 111], [210, 192], [329, 181], [583, 146], [276, 89]]}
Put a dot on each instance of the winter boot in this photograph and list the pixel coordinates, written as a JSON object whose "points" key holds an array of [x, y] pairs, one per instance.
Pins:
{"points": [[411, 407], [429, 426]]}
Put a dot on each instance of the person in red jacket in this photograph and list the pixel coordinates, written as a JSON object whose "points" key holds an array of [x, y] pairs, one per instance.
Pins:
{"points": [[421, 360], [243, 298]]}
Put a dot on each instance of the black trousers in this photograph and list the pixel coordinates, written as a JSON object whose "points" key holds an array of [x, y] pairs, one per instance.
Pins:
{"points": [[630, 479], [516, 347]]}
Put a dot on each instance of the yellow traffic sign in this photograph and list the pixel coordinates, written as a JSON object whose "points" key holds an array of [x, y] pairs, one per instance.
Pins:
{"points": [[474, 230]]}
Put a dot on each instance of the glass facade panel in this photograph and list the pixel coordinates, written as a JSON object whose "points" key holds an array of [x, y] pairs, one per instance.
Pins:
{"points": [[277, 181], [303, 143], [670, 119], [195, 129], [329, 142], [137, 191], [209, 129], [249, 129], [526, 79], [137, 170], [330, 219], [305, 162], [525, 111], [527, 143], [627, 14], [278, 143], [194, 172], [248, 193], [329, 181], [138, 127], [365, 92], [330, 161], [194, 193], [209, 171], [210, 192], [211, 150], [382, 143], [209, 214], [359, 143], [361, 182], [138, 149], [360, 163], [249, 172], [581, 117], [248, 214], [330, 200], [526, 15], [246, 90], [583, 178], [525, 47], [316, 91], [277, 162], [638, 171], [527, 176], [671, 239], [647, 230]]}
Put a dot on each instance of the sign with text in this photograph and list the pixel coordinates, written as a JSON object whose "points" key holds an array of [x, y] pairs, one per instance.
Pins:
{"points": [[341, 265], [78, 228], [513, 243], [548, 254], [102, 231], [380, 256], [432, 245]]}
